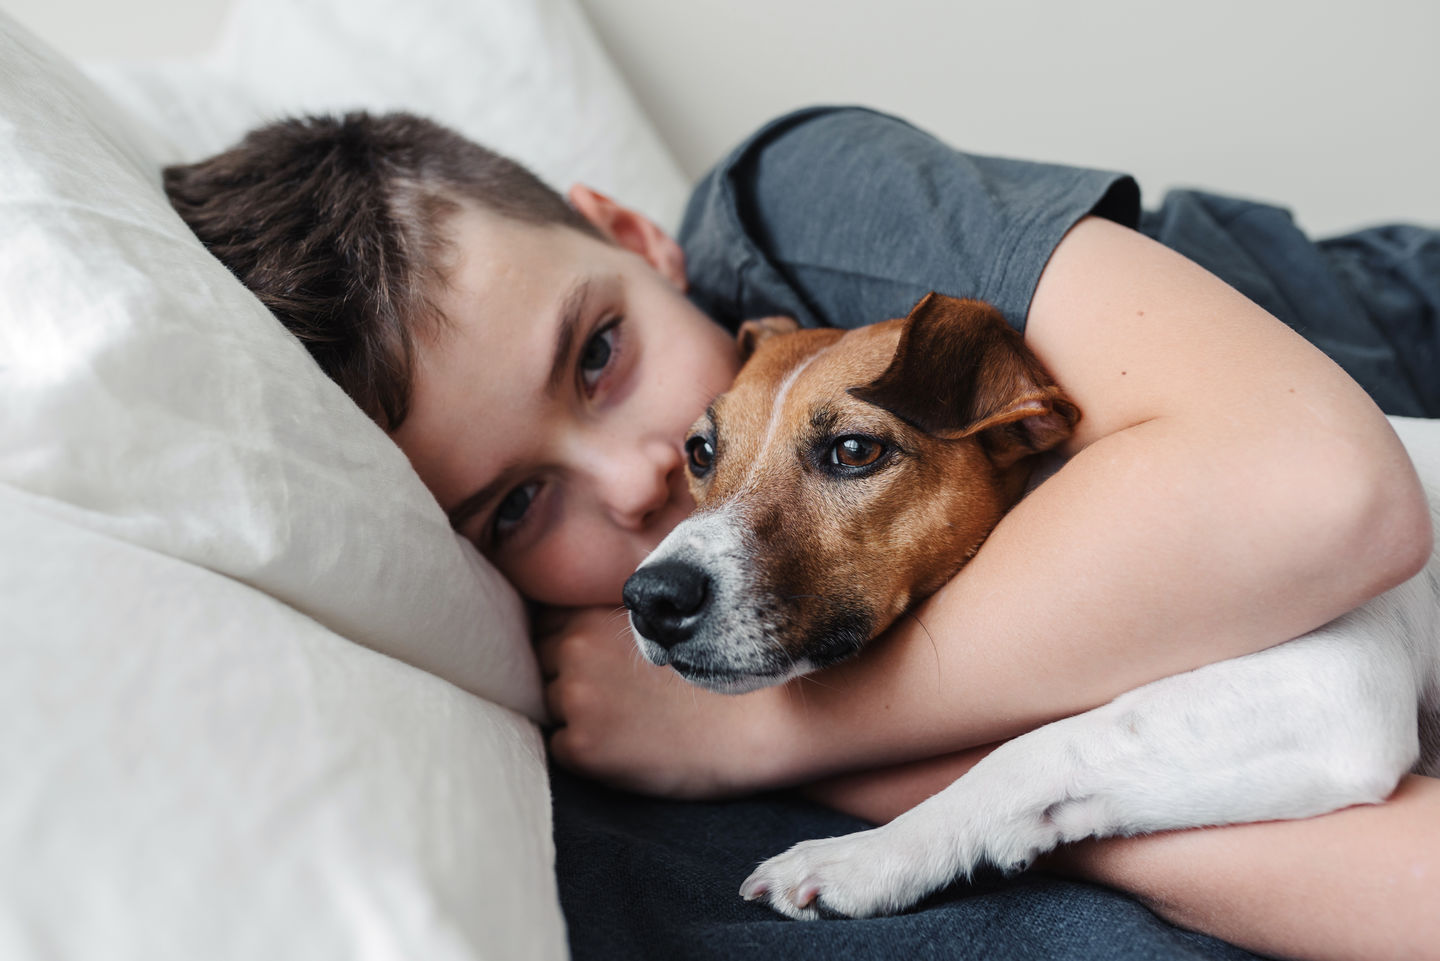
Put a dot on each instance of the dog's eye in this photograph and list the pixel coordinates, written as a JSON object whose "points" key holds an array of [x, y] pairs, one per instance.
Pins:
{"points": [[855, 451], [700, 454]]}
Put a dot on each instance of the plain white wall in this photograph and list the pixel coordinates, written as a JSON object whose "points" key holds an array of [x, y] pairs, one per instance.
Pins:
{"points": [[1330, 107], [122, 28]]}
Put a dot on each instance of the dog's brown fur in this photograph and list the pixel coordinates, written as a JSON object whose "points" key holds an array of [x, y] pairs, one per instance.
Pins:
{"points": [[959, 403]]}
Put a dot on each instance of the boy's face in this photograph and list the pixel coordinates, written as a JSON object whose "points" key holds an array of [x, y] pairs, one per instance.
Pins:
{"points": [[548, 416]]}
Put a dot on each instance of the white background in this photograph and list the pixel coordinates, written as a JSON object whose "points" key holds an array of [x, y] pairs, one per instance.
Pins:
{"points": [[1330, 108]]}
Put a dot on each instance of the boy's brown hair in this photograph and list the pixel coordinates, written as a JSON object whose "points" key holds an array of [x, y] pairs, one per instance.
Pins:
{"points": [[336, 224]]}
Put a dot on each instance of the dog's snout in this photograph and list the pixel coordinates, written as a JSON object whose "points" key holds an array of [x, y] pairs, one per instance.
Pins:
{"points": [[666, 600]]}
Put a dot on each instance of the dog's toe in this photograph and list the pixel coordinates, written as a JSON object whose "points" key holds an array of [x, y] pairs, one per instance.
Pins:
{"points": [[856, 876]]}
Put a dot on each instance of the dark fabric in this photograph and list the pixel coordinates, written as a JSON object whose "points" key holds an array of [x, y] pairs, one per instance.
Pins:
{"points": [[1394, 274], [1370, 300], [647, 879], [843, 217]]}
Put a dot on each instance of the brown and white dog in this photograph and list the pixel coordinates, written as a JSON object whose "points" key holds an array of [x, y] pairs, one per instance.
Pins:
{"points": [[847, 475]]}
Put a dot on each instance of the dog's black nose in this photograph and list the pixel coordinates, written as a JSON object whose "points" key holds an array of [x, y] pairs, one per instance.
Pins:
{"points": [[666, 600]]}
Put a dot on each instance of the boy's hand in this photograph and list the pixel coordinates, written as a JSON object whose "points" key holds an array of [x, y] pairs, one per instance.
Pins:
{"points": [[622, 720]]}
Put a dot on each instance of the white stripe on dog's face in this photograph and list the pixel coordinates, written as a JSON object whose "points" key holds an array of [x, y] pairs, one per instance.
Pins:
{"points": [[775, 410]]}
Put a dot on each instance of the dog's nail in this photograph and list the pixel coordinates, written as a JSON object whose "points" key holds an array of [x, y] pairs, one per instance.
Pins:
{"points": [[806, 894], [753, 888]]}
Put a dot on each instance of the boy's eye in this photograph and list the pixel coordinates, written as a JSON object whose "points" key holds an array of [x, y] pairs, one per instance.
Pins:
{"points": [[596, 355], [512, 508]]}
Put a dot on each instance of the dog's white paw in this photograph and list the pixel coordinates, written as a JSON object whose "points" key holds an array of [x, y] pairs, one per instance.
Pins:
{"points": [[856, 876]]}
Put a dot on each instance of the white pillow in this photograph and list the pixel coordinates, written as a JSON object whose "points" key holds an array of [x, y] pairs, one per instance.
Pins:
{"points": [[524, 77], [193, 770], [147, 395]]}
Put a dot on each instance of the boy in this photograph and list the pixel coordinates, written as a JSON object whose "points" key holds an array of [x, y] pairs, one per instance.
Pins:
{"points": [[1229, 487]]}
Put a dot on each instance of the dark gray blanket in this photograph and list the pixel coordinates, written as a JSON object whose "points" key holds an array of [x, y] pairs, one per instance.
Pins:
{"points": [[642, 879]]}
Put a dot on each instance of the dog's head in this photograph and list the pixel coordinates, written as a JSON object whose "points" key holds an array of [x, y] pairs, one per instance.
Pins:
{"points": [[843, 478]]}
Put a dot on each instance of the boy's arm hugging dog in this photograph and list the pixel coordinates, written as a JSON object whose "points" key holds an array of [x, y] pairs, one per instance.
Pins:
{"points": [[1226, 489]]}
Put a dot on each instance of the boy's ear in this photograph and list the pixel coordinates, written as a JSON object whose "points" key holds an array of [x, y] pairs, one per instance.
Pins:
{"points": [[960, 371], [632, 230]]}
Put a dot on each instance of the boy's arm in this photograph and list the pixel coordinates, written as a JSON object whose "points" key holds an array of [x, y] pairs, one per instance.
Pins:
{"points": [[1359, 884], [1229, 488]]}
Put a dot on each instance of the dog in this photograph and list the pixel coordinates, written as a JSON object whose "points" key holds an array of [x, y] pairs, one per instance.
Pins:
{"points": [[847, 475]]}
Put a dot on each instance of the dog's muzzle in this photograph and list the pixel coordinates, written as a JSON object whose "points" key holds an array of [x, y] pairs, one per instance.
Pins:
{"points": [[667, 601], [695, 605]]}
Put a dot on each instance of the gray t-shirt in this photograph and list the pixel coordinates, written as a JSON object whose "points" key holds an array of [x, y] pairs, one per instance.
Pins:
{"points": [[842, 216]]}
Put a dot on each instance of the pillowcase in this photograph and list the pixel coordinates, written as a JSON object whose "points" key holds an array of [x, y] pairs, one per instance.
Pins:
{"points": [[148, 396], [524, 77], [196, 770]]}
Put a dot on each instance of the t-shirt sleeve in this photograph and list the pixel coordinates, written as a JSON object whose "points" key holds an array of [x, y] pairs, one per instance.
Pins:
{"points": [[844, 217]]}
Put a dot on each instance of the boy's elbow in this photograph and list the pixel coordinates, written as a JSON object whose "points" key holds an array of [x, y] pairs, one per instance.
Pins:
{"points": [[1409, 529], [1384, 522]]}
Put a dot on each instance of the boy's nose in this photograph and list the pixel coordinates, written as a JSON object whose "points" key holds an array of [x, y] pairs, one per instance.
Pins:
{"points": [[634, 489]]}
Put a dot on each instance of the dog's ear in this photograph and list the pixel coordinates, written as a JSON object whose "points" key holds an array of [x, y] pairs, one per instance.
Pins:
{"points": [[960, 371], [752, 332]]}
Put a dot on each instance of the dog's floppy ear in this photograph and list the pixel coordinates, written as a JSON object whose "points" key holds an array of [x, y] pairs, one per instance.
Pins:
{"points": [[961, 371], [752, 332]]}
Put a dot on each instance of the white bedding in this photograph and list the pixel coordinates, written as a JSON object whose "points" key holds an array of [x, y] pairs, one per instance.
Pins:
{"points": [[195, 770], [260, 700]]}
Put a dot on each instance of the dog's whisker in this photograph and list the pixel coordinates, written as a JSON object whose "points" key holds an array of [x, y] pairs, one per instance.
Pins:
{"points": [[815, 681], [784, 650], [933, 646]]}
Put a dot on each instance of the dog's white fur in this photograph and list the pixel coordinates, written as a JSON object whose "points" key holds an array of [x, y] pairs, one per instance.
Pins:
{"points": [[1327, 720]]}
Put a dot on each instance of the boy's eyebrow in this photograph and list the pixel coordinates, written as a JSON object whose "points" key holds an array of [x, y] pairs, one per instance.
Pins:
{"points": [[570, 307]]}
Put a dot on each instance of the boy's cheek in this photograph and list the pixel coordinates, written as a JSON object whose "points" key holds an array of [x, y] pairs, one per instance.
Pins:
{"points": [[579, 567]]}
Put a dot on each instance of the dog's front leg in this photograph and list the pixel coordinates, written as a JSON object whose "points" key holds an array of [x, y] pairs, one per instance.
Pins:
{"points": [[1319, 723]]}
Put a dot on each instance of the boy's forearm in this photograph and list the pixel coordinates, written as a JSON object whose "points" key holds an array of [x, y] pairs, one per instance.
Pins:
{"points": [[883, 794], [1362, 883]]}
